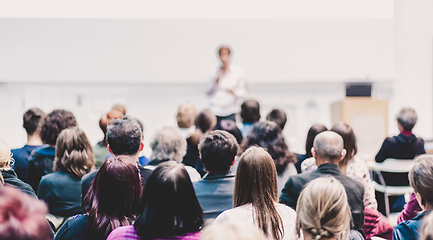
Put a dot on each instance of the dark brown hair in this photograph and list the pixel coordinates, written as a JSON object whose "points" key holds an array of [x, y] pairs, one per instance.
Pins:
{"points": [[54, 123], [169, 206], [349, 139], [314, 130], [256, 183], [268, 135], [74, 154], [278, 116], [22, 217], [250, 111], [205, 120], [114, 196], [32, 120]]}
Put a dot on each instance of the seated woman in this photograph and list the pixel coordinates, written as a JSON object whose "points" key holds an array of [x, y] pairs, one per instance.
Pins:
{"points": [[113, 201], [352, 166], [9, 175], [268, 135], [61, 190], [323, 210], [256, 198], [312, 132], [169, 208], [421, 180]]}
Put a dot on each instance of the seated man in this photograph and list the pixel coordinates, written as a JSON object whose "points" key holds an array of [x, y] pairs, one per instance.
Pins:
{"points": [[328, 150], [250, 114], [218, 150], [124, 138]]}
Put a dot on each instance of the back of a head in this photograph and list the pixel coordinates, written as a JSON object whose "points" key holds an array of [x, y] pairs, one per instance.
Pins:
{"points": [[22, 217], [268, 135], [169, 206], [328, 145], [230, 126], [119, 108], [312, 133], [168, 144], [32, 120], [124, 136], [205, 120], [250, 111], [218, 150], [74, 153], [231, 230], [407, 118], [186, 115], [278, 116], [421, 179], [426, 231], [256, 183], [114, 196], [54, 123], [323, 210], [5, 155], [107, 117], [349, 139]]}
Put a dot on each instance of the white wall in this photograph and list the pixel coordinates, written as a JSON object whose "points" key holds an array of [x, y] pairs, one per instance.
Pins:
{"points": [[184, 50]]}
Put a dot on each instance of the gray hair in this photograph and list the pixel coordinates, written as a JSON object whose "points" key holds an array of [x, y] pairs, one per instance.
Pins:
{"points": [[328, 145], [407, 118], [168, 143]]}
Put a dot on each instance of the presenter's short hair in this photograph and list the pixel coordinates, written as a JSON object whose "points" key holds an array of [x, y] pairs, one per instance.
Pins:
{"points": [[223, 48]]}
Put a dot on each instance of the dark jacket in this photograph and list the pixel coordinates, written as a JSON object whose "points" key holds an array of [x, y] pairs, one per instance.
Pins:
{"points": [[354, 190], [10, 178], [62, 193], [75, 228], [21, 157], [409, 230], [215, 193], [40, 163]]}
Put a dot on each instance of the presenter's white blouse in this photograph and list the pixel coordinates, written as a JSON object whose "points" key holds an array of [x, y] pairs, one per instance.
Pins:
{"points": [[244, 214]]}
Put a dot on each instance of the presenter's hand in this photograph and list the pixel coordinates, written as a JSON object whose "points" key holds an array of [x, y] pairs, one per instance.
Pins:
{"points": [[221, 74], [230, 91]]}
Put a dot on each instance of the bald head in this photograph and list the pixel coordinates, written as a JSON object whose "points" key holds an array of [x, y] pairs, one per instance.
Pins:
{"points": [[329, 147]]}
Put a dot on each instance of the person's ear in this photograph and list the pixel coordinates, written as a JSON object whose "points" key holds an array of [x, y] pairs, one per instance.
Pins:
{"points": [[233, 163], [141, 146], [313, 153], [343, 154], [109, 149]]}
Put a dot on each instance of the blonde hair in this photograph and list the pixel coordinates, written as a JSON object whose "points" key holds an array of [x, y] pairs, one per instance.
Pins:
{"points": [[230, 230], [5, 155], [186, 115], [426, 231], [323, 209]]}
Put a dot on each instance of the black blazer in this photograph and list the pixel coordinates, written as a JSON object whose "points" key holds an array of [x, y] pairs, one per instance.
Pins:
{"points": [[354, 190]]}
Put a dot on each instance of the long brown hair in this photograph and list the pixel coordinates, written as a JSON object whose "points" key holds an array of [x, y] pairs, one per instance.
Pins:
{"points": [[256, 183], [349, 139], [74, 153]]}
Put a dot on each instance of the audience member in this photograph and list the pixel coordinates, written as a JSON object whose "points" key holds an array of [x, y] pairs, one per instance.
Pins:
{"points": [[168, 209], [100, 149], [32, 120], [411, 209], [421, 180], [226, 90], [205, 121], [22, 217], [9, 175], [278, 116], [314, 130], [124, 138], [42, 159], [185, 119], [230, 127], [112, 201], [120, 108], [404, 146], [256, 197], [426, 232], [328, 150], [218, 150], [168, 144], [250, 114], [323, 210], [61, 190], [352, 166], [232, 231], [268, 135]]}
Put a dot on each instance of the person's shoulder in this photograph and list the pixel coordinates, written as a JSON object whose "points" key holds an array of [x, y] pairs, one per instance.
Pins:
{"points": [[285, 209], [124, 232], [407, 228]]}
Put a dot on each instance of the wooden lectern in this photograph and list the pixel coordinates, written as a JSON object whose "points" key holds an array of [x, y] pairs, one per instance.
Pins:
{"points": [[369, 120]]}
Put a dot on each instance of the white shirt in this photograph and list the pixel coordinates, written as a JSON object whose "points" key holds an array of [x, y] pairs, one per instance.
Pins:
{"points": [[245, 214], [222, 102], [192, 172]]}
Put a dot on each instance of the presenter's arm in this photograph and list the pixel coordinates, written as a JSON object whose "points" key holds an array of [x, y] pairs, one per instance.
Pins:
{"points": [[213, 85]]}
